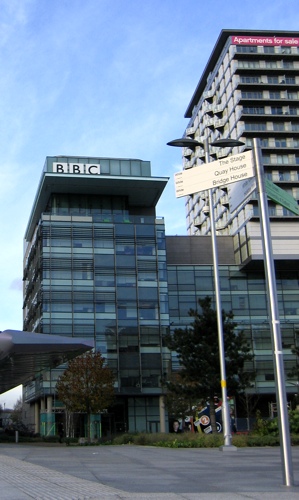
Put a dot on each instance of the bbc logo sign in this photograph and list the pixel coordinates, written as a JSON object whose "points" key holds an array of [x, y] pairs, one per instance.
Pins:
{"points": [[76, 168]]}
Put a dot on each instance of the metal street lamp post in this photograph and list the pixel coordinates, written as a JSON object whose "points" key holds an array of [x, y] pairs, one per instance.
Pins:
{"points": [[282, 408], [192, 144]]}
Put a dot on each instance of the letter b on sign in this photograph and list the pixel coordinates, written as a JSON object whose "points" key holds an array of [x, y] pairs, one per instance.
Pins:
{"points": [[60, 168]]}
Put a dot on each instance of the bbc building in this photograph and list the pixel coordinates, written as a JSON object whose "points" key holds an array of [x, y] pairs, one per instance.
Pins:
{"points": [[97, 263]]}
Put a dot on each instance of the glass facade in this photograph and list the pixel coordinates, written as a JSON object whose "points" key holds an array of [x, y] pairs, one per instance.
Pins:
{"points": [[95, 267], [242, 292]]}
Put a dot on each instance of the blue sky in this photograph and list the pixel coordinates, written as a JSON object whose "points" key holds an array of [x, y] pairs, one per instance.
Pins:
{"points": [[101, 78]]}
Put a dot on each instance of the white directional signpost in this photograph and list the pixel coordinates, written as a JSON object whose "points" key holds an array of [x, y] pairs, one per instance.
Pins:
{"points": [[229, 170], [215, 174]]}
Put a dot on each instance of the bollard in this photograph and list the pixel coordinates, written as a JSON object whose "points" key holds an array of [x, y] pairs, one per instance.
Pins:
{"points": [[17, 436]]}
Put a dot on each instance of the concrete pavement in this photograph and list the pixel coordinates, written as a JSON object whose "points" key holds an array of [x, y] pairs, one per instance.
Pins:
{"points": [[60, 472]]}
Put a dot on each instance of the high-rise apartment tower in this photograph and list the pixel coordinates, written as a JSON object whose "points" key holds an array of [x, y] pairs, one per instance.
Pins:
{"points": [[249, 88]]}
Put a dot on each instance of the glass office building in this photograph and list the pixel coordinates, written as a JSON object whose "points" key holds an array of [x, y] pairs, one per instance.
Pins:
{"points": [[243, 291], [95, 267]]}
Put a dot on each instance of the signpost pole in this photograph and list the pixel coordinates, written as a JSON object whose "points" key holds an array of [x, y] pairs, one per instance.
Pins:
{"points": [[229, 172], [282, 409], [225, 406]]}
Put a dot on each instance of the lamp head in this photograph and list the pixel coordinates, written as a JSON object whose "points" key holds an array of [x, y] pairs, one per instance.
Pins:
{"points": [[227, 143], [185, 142]]}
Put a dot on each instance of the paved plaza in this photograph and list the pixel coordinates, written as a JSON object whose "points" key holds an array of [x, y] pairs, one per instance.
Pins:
{"points": [[60, 472]]}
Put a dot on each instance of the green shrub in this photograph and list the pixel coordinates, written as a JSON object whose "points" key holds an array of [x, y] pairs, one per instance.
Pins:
{"points": [[294, 421], [266, 435], [195, 440], [260, 427], [270, 427], [295, 439], [142, 439], [185, 440], [266, 440], [240, 440], [127, 438]]}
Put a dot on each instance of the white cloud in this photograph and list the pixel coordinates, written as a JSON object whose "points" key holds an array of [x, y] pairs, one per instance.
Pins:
{"points": [[14, 15]]}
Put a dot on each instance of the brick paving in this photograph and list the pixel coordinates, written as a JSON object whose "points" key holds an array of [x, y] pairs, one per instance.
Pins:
{"points": [[21, 479]]}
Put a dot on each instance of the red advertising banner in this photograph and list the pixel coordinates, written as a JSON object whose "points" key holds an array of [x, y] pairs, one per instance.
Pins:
{"points": [[267, 40]]}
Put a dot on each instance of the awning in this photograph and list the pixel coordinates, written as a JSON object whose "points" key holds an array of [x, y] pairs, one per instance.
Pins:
{"points": [[24, 354]]}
